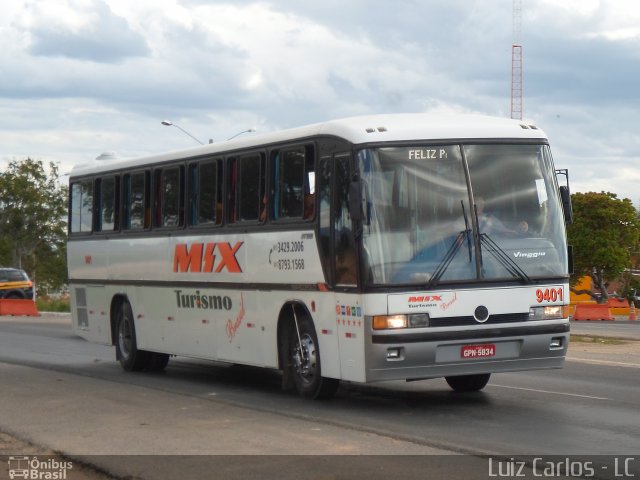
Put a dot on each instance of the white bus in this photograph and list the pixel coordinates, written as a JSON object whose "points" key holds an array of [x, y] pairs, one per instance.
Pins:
{"points": [[375, 248]]}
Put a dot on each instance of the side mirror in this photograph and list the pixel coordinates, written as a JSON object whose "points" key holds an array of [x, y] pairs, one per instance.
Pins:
{"points": [[565, 196], [570, 259]]}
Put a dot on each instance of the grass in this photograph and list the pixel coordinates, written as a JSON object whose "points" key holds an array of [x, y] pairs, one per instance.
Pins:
{"points": [[595, 339], [46, 304]]}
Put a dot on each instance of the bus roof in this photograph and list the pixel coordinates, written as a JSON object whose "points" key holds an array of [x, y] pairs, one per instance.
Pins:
{"points": [[357, 130]]}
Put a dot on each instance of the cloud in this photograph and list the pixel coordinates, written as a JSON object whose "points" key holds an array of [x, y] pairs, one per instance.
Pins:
{"points": [[81, 30], [84, 76]]}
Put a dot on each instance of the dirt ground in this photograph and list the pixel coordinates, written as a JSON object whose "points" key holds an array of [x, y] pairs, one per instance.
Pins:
{"points": [[595, 349], [12, 447]]}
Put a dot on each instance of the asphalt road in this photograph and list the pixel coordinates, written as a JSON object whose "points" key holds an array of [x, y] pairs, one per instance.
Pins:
{"points": [[64, 394], [620, 328]]}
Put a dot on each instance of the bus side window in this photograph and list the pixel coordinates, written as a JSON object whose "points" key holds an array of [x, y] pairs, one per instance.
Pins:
{"points": [[344, 242], [276, 166], [309, 187], [108, 205], [82, 207], [294, 178], [207, 201], [291, 184], [137, 211], [193, 193], [157, 198], [168, 208], [250, 187], [231, 190], [324, 201]]}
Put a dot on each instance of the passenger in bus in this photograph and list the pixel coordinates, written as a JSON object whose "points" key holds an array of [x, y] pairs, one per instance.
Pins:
{"points": [[263, 209], [490, 224], [523, 227], [309, 206], [346, 260]]}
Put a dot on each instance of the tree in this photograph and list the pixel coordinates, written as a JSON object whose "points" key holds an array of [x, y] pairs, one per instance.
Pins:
{"points": [[604, 234], [33, 213]]}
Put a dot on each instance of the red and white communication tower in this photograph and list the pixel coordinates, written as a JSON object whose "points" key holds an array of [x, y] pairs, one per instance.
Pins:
{"points": [[516, 62]]}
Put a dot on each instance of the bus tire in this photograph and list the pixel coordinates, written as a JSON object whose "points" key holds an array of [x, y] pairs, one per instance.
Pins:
{"points": [[468, 383], [127, 353], [304, 361], [156, 362]]}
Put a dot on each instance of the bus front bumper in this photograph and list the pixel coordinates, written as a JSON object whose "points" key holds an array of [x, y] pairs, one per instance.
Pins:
{"points": [[416, 356]]}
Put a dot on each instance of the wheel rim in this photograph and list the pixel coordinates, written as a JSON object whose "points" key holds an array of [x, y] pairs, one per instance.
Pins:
{"points": [[304, 358], [125, 339]]}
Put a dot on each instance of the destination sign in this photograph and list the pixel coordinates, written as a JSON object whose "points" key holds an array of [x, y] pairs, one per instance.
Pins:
{"points": [[427, 153]]}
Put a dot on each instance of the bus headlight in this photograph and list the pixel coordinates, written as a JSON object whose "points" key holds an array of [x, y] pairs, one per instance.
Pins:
{"points": [[383, 322], [553, 312], [417, 320], [386, 322]]}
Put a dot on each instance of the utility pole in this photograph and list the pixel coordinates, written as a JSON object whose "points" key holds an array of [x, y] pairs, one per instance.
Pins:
{"points": [[516, 62]]}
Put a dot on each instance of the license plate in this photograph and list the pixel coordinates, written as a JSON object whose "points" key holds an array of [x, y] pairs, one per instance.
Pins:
{"points": [[478, 351]]}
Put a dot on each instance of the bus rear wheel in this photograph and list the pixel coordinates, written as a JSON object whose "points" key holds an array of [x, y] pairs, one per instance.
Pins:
{"points": [[127, 353], [468, 383], [304, 359]]}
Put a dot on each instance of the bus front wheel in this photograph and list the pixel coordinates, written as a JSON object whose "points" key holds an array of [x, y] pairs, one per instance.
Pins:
{"points": [[304, 359], [468, 383]]}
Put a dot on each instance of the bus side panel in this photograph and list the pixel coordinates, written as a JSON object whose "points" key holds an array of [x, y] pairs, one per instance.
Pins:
{"points": [[155, 316], [90, 317], [242, 329], [321, 306], [228, 325], [350, 327], [173, 285], [89, 304]]}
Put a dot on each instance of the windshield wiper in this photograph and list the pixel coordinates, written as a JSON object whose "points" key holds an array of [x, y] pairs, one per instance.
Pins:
{"points": [[467, 229], [452, 251], [499, 254]]}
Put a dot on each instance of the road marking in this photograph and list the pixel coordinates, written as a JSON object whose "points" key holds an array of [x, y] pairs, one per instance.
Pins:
{"points": [[549, 391], [603, 362]]}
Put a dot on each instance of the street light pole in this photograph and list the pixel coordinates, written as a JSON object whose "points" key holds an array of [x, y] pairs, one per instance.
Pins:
{"points": [[171, 124], [240, 133]]}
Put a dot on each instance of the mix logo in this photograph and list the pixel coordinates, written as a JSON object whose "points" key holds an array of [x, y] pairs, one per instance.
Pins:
{"points": [[442, 301], [425, 298], [207, 257]]}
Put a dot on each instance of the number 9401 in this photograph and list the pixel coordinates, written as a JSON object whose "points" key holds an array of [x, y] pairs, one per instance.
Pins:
{"points": [[549, 295]]}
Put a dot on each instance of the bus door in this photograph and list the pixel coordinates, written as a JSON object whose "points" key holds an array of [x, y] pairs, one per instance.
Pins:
{"points": [[340, 260]]}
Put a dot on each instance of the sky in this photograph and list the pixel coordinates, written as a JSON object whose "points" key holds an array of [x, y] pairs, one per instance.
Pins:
{"points": [[83, 77]]}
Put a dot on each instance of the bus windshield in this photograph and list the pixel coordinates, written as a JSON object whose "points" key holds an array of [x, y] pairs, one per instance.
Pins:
{"points": [[456, 213]]}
